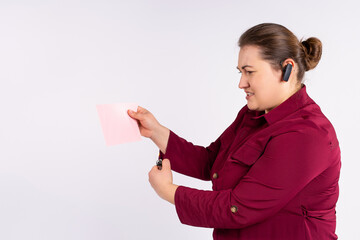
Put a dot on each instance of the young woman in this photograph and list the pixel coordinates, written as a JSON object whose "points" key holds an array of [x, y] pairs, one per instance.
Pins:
{"points": [[275, 169]]}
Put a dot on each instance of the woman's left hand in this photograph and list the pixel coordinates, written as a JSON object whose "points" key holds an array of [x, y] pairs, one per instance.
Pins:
{"points": [[162, 181]]}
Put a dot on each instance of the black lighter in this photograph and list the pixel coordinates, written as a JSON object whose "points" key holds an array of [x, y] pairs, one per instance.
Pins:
{"points": [[159, 163]]}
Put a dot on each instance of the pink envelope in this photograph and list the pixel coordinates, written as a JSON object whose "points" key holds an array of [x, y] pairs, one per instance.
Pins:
{"points": [[117, 126]]}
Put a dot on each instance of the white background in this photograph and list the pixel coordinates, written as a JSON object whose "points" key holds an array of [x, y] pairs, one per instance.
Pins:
{"points": [[58, 59]]}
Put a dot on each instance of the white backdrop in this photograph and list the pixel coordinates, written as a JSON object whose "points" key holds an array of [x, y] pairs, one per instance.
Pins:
{"points": [[58, 59]]}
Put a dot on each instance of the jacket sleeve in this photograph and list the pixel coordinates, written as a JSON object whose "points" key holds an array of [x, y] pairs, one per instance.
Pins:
{"points": [[289, 162], [189, 159], [193, 160]]}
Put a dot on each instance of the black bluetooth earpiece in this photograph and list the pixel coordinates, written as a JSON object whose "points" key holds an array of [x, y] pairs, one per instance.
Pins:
{"points": [[286, 72]]}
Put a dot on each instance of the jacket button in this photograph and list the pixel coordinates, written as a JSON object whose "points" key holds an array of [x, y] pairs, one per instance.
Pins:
{"points": [[234, 209], [215, 176]]}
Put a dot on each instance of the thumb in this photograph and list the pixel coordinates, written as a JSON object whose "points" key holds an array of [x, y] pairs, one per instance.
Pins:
{"points": [[166, 164], [132, 113]]}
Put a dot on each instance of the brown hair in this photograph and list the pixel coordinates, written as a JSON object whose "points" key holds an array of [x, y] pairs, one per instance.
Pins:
{"points": [[277, 43]]}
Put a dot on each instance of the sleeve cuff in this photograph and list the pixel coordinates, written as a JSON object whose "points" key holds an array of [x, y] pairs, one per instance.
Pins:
{"points": [[168, 147]]}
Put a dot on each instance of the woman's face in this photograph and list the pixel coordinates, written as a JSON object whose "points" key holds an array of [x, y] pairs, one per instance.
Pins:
{"points": [[263, 84]]}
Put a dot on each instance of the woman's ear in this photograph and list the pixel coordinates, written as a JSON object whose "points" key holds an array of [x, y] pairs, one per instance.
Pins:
{"points": [[286, 72], [288, 66]]}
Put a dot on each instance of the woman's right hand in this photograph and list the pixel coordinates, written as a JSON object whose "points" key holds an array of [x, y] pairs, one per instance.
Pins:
{"points": [[150, 127], [146, 121]]}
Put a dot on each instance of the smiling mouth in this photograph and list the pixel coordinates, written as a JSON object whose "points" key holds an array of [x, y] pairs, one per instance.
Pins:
{"points": [[249, 95]]}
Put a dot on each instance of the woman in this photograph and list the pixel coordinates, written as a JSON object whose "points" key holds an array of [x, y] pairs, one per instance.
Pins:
{"points": [[275, 169]]}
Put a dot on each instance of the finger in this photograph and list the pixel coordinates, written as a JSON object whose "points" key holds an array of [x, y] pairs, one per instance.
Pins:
{"points": [[166, 164], [136, 115], [141, 108], [131, 112], [151, 172], [154, 169]]}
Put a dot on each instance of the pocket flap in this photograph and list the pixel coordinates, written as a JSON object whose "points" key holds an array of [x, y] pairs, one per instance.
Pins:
{"points": [[246, 154]]}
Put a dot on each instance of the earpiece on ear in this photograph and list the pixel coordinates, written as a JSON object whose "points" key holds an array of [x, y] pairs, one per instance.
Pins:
{"points": [[286, 72]]}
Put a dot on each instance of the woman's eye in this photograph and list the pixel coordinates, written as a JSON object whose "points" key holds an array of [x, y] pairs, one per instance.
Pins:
{"points": [[246, 72]]}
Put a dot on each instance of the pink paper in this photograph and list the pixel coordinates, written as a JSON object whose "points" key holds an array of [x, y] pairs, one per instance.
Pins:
{"points": [[117, 126]]}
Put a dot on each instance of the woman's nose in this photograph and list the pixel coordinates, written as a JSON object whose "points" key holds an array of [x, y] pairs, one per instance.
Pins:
{"points": [[243, 83]]}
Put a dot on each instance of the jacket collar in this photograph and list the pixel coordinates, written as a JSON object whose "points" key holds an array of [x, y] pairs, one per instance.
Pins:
{"points": [[290, 105]]}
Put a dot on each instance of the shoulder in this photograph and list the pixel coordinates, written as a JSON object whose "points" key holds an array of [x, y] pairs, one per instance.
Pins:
{"points": [[307, 122], [307, 128], [306, 132], [311, 121]]}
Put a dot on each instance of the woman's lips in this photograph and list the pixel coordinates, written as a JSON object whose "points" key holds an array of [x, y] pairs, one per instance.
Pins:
{"points": [[249, 95]]}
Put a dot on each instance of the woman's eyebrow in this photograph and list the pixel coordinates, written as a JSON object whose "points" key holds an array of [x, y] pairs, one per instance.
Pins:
{"points": [[243, 67]]}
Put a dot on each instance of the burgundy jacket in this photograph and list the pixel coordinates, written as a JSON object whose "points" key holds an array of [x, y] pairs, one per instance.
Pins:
{"points": [[275, 175]]}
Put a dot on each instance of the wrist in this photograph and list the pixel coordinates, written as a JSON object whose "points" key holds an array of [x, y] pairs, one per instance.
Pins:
{"points": [[160, 137], [156, 133], [170, 193]]}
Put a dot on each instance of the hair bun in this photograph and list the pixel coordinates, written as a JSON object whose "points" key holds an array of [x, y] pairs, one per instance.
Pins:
{"points": [[312, 48]]}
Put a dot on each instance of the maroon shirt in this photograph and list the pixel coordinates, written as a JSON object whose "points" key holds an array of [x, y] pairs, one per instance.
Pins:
{"points": [[274, 175]]}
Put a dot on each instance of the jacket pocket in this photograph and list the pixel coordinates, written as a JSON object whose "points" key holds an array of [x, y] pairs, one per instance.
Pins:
{"points": [[246, 155]]}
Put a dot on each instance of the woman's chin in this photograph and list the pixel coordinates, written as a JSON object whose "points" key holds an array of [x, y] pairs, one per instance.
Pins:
{"points": [[253, 107]]}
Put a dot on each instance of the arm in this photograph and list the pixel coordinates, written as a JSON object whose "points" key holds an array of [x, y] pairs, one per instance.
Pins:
{"points": [[289, 163], [186, 158], [190, 159], [193, 160], [161, 137]]}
